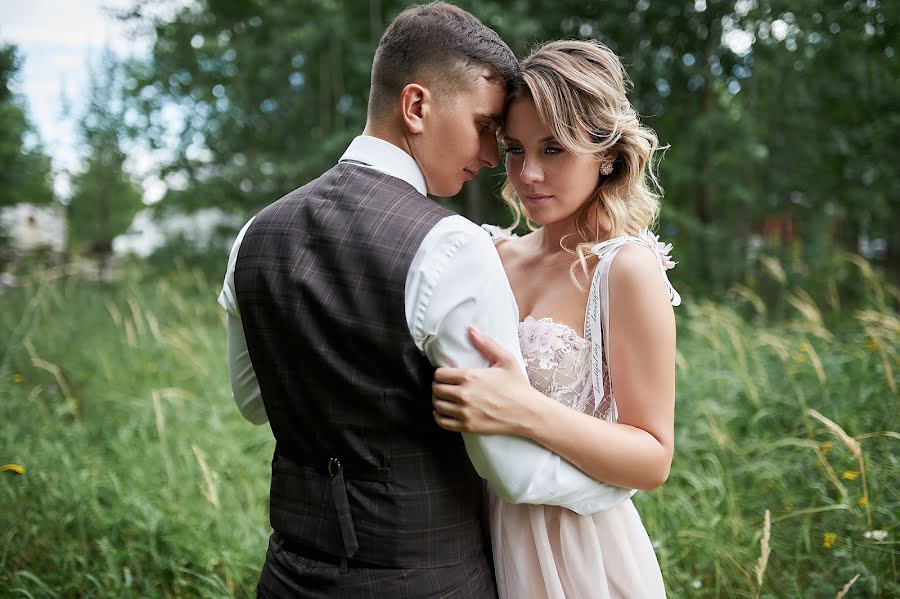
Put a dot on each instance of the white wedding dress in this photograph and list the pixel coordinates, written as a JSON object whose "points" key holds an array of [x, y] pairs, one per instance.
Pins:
{"points": [[548, 551]]}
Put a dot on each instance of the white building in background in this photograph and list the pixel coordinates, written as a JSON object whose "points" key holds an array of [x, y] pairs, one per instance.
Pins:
{"points": [[33, 228], [142, 238], [200, 229]]}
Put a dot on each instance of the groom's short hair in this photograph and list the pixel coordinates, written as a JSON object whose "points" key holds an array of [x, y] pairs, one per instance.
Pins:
{"points": [[437, 44]]}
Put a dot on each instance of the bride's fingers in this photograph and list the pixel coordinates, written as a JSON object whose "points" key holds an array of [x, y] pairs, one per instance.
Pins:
{"points": [[491, 350], [447, 408], [450, 375], [447, 423], [445, 391]]}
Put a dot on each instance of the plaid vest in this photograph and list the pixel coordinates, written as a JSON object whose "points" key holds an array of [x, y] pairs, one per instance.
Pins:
{"points": [[360, 468]]}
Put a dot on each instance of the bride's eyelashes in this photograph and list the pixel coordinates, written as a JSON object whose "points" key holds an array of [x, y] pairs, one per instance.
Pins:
{"points": [[549, 150]]}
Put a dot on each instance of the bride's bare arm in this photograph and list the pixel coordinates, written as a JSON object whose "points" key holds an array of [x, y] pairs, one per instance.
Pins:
{"points": [[635, 452]]}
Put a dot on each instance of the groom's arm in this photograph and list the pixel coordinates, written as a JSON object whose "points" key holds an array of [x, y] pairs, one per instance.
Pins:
{"points": [[456, 280], [244, 386]]}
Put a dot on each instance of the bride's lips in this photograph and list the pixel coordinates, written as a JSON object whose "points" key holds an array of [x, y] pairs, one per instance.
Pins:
{"points": [[536, 198]]}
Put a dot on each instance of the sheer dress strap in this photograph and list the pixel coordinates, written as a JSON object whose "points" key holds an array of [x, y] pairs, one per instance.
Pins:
{"points": [[596, 326]]}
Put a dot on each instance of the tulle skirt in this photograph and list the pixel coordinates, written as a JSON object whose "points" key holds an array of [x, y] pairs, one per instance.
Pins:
{"points": [[554, 553]]}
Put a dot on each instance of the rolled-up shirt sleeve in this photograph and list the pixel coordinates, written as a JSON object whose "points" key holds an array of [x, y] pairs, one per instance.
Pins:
{"points": [[244, 385], [456, 280]]}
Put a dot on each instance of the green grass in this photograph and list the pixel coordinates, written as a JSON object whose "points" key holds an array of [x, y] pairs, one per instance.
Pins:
{"points": [[142, 480]]}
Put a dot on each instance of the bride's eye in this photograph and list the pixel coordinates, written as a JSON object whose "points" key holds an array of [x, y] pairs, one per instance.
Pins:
{"points": [[514, 150], [553, 150]]}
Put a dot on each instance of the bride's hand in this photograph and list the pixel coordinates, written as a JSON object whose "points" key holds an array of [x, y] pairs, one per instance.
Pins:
{"points": [[495, 400]]}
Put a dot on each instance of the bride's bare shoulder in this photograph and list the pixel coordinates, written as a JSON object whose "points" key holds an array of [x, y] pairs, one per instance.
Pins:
{"points": [[635, 276]]}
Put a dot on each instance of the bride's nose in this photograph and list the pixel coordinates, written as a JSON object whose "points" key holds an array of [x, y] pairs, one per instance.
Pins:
{"points": [[531, 172]]}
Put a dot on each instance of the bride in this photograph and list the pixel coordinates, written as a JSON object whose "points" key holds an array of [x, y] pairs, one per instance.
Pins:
{"points": [[599, 335]]}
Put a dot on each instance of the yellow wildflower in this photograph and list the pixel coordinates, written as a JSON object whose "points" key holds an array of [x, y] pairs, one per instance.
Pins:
{"points": [[871, 345], [828, 539], [825, 446], [802, 350], [12, 468], [850, 475], [18, 378], [863, 501]]}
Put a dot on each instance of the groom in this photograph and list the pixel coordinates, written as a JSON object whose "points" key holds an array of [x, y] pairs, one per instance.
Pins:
{"points": [[342, 298]]}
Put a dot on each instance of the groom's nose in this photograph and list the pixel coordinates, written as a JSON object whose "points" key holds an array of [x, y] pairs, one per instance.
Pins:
{"points": [[489, 155]]}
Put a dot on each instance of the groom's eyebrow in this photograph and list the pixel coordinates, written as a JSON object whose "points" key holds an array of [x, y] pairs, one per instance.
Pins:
{"points": [[494, 118]]}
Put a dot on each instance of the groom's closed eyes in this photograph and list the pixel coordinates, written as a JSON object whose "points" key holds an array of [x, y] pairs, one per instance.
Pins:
{"points": [[487, 122]]}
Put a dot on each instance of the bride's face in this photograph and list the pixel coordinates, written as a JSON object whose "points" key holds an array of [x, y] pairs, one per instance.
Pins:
{"points": [[551, 182]]}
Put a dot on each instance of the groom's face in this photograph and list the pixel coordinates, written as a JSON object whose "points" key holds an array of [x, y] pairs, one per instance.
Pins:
{"points": [[459, 136]]}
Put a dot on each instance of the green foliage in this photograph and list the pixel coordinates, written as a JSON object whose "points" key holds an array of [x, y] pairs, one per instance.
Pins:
{"points": [[104, 200], [794, 130], [25, 170], [142, 480], [104, 203], [272, 91], [746, 442], [113, 504]]}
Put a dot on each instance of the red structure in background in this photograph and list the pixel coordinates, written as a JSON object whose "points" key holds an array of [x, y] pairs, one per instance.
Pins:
{"points": [[780, 227]]}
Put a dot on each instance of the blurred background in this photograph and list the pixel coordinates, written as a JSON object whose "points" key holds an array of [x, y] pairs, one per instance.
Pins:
{"points": [[137, 136]]}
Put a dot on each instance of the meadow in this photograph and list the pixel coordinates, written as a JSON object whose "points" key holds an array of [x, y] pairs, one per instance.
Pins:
{"points": [[133, 475]]}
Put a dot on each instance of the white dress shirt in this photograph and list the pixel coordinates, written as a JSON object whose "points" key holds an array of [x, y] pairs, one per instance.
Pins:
{"points": [[455, 281]]}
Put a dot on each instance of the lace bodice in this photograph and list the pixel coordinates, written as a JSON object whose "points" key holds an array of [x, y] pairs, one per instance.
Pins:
{"points": [[571, 369], [558, 362]]}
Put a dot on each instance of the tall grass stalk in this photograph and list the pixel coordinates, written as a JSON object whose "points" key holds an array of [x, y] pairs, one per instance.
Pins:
{"points": [[764, 550], [856, 449], [843, 592]]}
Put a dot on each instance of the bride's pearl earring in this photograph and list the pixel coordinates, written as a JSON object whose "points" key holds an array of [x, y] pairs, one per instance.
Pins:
{"points": [[606, 168]]}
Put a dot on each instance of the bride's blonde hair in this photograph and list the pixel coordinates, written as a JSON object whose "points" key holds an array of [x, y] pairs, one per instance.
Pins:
{"points": [[579, 90]]}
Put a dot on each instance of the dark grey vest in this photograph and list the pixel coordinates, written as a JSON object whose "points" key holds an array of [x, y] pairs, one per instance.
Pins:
{"points": [[360, 469]]}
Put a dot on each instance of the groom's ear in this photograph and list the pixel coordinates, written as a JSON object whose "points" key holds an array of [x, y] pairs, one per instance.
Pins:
{"points": [[415, 103]]}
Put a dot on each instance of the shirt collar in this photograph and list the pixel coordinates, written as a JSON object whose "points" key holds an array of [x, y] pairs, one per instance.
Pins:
{"points": [[384, 156]]}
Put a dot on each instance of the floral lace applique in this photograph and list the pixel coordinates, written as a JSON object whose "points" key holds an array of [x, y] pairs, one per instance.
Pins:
{"points": [[557, 360], [663, 250], [663, 253], [547, 341]]}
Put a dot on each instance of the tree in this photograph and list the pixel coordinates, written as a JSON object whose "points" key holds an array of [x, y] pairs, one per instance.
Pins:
{"points": [[104, 199], [25, 170], [772, 111]]}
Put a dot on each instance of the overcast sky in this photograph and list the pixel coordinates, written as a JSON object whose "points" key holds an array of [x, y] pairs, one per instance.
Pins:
{"points": [[58, 39]]}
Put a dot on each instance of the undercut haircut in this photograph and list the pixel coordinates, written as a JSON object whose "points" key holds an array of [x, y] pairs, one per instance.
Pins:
{"points": [[437, 45]]}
